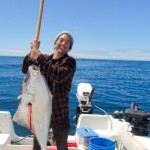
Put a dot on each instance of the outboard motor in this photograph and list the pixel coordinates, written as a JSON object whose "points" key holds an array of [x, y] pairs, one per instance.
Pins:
{"points": [[84, 96], [139, 120]]}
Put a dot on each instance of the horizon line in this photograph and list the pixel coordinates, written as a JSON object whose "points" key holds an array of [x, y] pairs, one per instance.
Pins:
{"points": [[92, 58]]}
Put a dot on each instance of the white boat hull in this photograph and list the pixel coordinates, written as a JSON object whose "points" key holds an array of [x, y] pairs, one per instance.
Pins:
{"points": [[107, 127]]}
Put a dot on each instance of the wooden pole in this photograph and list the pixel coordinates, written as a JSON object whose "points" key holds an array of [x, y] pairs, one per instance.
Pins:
{"points": [[39, 20]]}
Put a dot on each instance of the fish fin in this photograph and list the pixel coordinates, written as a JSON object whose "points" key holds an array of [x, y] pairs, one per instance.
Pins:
{"points": [[19, 97]]}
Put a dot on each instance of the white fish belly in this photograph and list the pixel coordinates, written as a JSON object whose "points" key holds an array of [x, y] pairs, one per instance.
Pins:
{"points": [[35, 108]]}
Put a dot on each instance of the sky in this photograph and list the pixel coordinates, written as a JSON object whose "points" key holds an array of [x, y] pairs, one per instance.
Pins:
{"points": [[102, 29]]}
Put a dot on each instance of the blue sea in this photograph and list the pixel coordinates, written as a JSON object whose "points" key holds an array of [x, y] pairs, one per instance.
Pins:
{"points": [[116, 84]]}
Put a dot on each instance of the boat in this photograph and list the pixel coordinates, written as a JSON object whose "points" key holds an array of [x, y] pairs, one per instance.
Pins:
{"points": [[128, 133]]}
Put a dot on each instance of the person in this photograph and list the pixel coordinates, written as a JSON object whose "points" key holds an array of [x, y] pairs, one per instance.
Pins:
{"points": [[58, 70]]}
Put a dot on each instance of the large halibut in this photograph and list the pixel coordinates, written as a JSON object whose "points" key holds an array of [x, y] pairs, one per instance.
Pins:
{"points": [[35, 107]]}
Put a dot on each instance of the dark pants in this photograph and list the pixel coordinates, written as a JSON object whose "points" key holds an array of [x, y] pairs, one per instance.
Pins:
{"points": [[60, 131]]}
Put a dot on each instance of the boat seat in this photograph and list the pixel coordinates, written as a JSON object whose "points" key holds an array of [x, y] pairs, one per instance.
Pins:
{"points": [[4, 139], [101, 124], [6, 125], [95, 122]]}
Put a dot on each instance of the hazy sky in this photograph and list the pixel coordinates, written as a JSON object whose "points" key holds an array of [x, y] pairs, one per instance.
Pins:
{"points": [[109, 29]]}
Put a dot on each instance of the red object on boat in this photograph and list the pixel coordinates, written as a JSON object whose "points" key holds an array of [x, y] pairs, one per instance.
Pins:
{"points": [[52, 148], [72, 144], [69, 145]]}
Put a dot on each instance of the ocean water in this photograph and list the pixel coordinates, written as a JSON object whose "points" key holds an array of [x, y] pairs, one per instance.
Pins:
{"points": [[116, 84]]}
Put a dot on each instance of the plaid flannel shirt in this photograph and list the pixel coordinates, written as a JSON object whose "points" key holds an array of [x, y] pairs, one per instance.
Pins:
{"points": [[58, 74]]}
